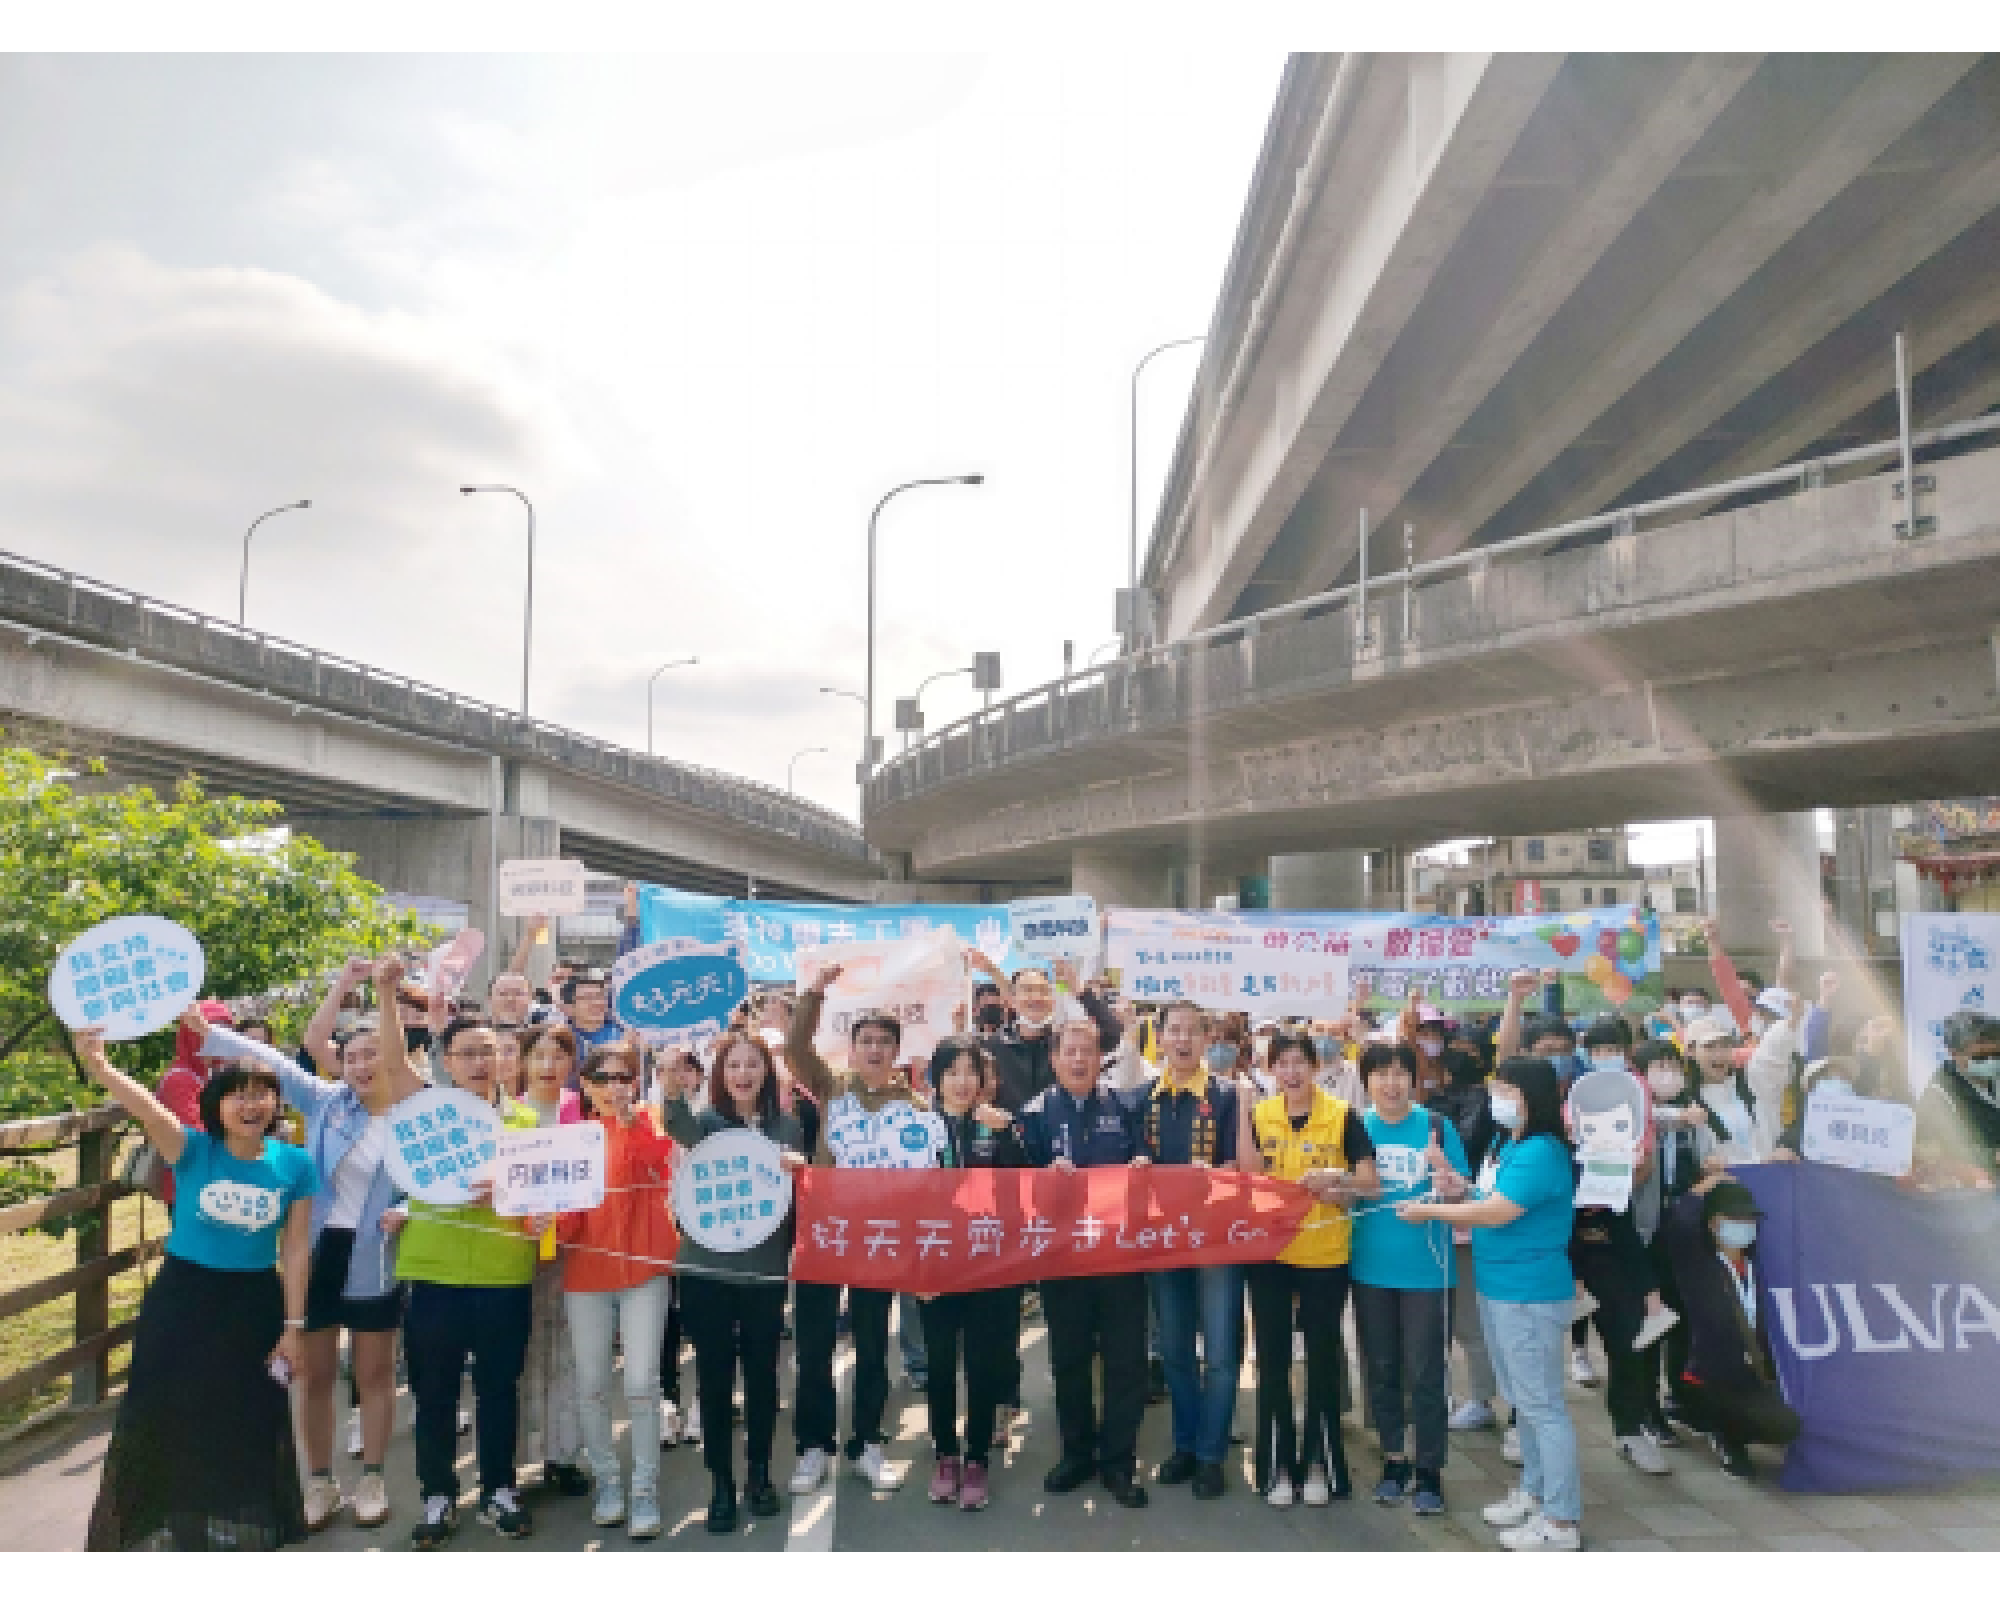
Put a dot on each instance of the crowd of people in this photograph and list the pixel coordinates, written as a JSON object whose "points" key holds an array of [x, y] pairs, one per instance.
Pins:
{"points": [[1440, 1158]]}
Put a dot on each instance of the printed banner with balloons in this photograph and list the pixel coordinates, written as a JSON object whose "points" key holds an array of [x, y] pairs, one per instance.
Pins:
{"points": [[947, 1232]]}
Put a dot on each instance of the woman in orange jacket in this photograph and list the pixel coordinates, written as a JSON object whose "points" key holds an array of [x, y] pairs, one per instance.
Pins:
{"points": [[617, 1280]]}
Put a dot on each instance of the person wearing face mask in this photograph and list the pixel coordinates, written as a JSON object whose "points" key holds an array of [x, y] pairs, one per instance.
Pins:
{"points": [[1724, 1101], [1023, 1054], [1520, 1216], [1958, 1115], [1731, 1393], [1463, 1103], [1683, 1142]]}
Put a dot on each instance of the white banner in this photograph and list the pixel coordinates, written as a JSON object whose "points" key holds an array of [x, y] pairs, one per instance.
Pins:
{"points": [[899, 1136], [440, 1141], [1950, 963], [1843, 1130], [732, 1191], [130, 976], [919, 980], [540, 1171], [551, 888], [1267, 968], [1060, 927]]}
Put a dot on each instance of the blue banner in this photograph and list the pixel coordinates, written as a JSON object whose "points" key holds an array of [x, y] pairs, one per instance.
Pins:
{"points": [[773, 932], [1883, 1308]]}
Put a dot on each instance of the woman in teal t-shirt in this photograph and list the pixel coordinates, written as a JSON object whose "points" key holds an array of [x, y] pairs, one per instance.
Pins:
{"points": [[1520, 1215], [201, 1456]]}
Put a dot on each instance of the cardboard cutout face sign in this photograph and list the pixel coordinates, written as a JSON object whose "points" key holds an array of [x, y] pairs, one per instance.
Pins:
{"points": [[1609, 1111]]}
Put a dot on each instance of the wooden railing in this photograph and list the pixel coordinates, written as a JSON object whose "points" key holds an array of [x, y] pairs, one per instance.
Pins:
{"points": [[87, 1360]]}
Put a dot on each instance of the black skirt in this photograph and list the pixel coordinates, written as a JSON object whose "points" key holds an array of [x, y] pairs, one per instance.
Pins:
{"points": [[201, 1456]]}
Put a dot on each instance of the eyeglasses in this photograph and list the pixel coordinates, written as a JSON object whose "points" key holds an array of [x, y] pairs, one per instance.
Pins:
{"points": [[612, 1077]]}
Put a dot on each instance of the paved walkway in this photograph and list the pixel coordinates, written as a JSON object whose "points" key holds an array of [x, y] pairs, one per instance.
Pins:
{"points": [[47, 1481]]}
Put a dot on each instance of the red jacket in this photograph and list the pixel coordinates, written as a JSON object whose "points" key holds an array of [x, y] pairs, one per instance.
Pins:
{"points": [[635, 1221]]}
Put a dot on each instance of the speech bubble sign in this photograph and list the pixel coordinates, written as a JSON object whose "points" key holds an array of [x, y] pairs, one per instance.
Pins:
{"points": [[130, 976], [440, 1142], [681, 989], [732, 1192]]}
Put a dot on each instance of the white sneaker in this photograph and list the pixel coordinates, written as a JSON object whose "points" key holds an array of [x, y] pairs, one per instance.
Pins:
{"points": [[1656, 1323], [1517, 1509], [810, 1473], [1581, 1372], [1538, 1533], [609, 1510], [1318, 1491], [874, 1466], [354, 1434], [1582, 1306], [1642, 1453], [323, 1503], [673, 1426], [691, 1429], [1470, 1416], [1510, 1447], [371, 1501], [1280, 1496]]}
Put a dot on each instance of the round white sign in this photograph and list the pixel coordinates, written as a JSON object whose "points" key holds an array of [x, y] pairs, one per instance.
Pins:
{"points": [[732, 1191], [130, 976], [440, 1140]]}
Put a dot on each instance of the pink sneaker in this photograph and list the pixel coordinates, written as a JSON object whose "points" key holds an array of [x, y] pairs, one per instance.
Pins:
{"points": [[972, 1489], [944, 1481]]}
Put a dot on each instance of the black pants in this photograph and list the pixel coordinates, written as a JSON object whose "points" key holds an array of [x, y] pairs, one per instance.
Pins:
{"points": [[1403, 1351], [815, 1418], [670, 1349], [1320, 1294], [1670, 1351], [1619, 1274], [1742, 1417], [988, 1325], [1088, 1317], [443, 1326], [726, 1320]]}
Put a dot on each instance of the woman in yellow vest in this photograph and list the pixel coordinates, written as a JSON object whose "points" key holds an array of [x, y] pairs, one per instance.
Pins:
{"points": [[1305, 1135]]}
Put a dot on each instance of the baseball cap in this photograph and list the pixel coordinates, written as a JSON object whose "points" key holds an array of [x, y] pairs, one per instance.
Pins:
{"points": [[1707, 1029], [1776, 1001], [1730, 1199]]}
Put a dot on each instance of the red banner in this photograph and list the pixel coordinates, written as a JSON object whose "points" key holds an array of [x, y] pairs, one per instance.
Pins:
{"points": [[944, 1232]]}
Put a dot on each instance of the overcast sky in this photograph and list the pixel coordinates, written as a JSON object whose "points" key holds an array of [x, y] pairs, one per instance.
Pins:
{"points": [[704, 310]]}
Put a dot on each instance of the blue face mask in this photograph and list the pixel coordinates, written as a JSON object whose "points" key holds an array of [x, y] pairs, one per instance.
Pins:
{"points": [[1566, 1065], [1221, 1057], [1326, 1048], [1736, 1234]]}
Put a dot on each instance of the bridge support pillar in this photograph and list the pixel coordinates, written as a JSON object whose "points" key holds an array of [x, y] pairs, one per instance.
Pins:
{"points": [[1207, 877], [1766, 867], [448, 858], [1864, 884], [1323, 880], [1111, 879]]}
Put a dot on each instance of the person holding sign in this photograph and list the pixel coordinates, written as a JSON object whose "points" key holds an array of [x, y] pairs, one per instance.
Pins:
{"points": [[617, 1283], [353, 1253], [471, 1275], [201, 1456], [1520, 1217], [734, 1302], [1306, 1136], [851, 1101], [551, 1417]]}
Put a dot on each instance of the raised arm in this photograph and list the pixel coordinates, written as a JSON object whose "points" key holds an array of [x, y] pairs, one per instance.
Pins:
{"points": [[806, 1063], [1723, 970], [395, 1062], [1787, 953], [162, 1127], [1507, 1037], [319, 1031], [298, 1086], [531, 933], [980, 961]]}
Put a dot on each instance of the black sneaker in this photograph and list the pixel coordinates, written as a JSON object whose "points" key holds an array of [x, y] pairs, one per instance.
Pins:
{"points": [[1209, 1483], [502, 1512], [1662, 1433], [1734, 1458], [1072, 1472], [1427, 1496], [565, 1480], [1394, 1485], [1179, 1467], [439, 1524], [1156, 1380]]}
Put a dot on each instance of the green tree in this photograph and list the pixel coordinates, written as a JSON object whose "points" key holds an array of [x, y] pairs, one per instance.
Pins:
{"points": [[271, 912]]}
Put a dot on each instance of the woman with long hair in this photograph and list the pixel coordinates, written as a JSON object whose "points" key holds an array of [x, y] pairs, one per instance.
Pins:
{"points": [[617, 1280], [734, 1304], [985, 1322], [1305, 1135], [1521, 1217], [201, 1456], [551, 1419]]}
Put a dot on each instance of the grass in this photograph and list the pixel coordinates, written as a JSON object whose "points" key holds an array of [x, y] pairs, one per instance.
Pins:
{"points": [[45, 1330]]}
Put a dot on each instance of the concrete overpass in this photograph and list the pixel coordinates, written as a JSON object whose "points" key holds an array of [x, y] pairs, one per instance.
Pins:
{"points": [[1480, 295], [428, 788], [1793, 650]]}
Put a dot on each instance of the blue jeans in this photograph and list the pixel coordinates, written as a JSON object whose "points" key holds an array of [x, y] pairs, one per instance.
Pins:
{"points": [[910, 1339], [1208, 1299], [1528, 1341]]}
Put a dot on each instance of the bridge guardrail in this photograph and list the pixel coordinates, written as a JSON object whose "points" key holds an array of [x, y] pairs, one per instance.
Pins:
{"points": [[67, 604], [1306, 641]]}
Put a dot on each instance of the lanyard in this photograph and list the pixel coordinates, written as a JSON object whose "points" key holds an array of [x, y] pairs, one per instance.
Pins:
{"points": [[1744, 1285]]}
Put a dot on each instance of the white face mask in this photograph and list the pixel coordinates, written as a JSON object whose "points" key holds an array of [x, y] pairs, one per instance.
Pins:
{"points": [[1608, 1063], [1666, 1085], [1736, 1234], [1431, 1047], [1693, 1010], [1507, 1112]]}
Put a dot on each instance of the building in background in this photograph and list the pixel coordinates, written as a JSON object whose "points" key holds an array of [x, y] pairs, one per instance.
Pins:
{"points": [[1539, 874], [1953, 847]]}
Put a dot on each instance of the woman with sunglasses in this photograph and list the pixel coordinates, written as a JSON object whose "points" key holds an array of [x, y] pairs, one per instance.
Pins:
{"points": [[201, 1455], [617, 1280], [735, 1304]]}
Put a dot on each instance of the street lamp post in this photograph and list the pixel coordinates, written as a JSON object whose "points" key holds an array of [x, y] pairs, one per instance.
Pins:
{"points": [[917, 699], [243, 582], [685, 661], [868, 694], [792, 765], [1132, 552], [528, 614]]}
